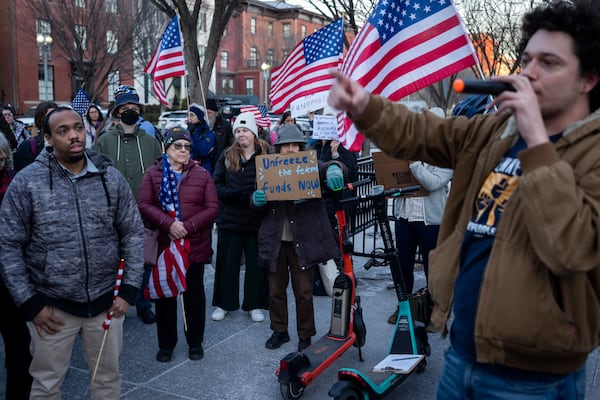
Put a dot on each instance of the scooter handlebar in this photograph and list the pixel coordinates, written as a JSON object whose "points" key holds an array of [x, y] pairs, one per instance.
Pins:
{"points": [[378, 191]]}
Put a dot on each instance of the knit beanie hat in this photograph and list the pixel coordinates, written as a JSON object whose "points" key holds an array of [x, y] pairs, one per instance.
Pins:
{"points": [[197, 110], [246, 120], [176, 133], [211, 104]]}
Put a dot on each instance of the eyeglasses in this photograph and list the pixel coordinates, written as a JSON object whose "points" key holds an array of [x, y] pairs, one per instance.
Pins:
{"points": [[8, 114], [179, 146]]}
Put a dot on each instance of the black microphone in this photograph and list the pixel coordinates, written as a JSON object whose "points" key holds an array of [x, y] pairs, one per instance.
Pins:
{"points": [[474, 86]]}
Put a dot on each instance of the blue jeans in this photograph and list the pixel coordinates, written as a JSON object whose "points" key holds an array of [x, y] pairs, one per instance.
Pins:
{"points": [[141, 303], [462, 380]]}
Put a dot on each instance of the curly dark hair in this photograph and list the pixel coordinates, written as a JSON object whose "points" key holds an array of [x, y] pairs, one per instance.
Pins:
{"points": [[579, 19]]}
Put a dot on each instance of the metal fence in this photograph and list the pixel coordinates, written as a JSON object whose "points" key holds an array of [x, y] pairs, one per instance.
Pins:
{"points": [[364, 230]]}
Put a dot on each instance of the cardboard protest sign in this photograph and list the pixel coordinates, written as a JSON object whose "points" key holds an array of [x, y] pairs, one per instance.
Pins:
{"points": [[291, 176], [393, 173], [325, 127]]}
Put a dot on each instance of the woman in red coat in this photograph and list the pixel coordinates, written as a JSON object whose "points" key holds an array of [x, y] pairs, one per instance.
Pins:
{"points": [[199, 207]]}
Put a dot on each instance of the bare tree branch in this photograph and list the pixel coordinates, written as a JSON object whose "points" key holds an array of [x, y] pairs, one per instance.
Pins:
{"points": [[82, 35], [189, 24]]}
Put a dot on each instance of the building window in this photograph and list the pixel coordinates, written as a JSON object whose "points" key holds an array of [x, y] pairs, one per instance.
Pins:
{"points": [[226, 86], [111, 6], [249, 86], [253, 57], [287, 30], [270, 57], [253, 25], [270, 29], [202, 22], [43, 26], [45, 92], [284, 54], [81, 33], [201, 53], [112, 42], [303, 30], [225, 31], [79, 3], [114, 81], [224, 59]]}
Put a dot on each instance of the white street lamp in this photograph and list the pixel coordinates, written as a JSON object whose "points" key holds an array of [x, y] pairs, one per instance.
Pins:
{"points": [[265, 68], [44, 42]]}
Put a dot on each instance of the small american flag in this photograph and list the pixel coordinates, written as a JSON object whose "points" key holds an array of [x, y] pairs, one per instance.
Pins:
{"points": [[107, 321], [167, 61], [168, 276], [261, 114], [305, 70], [81, 102], [405, 46]]}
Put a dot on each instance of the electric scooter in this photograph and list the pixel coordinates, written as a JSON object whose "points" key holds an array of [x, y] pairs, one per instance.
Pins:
{"points": [[409, 340], [298, 369]]}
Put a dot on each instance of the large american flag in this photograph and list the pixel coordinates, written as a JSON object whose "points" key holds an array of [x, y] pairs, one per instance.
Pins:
{"points": [[261, 114], [168, 275], [405, 46], [81, 102], [167, 61], [305, 69]]}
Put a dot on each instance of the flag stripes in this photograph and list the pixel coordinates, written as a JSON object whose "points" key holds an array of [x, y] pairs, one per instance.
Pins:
{"points": [[404, 47]]}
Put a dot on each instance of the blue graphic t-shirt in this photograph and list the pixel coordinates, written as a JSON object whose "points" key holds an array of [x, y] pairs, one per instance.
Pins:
{"points": [[477, 245]]}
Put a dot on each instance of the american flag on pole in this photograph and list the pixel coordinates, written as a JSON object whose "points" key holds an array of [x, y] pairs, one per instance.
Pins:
{"points": [[120, 270], [167, 61], [168, 275], [403, 47], [81, 102], [304, 71], [261, 114]]}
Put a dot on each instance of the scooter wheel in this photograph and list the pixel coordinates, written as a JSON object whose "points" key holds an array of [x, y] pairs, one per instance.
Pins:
{"points": [[291, 390], [349, 394]]}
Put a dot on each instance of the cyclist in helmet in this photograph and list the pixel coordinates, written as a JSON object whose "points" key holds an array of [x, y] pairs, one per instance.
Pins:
{"points": [[518, 255]]}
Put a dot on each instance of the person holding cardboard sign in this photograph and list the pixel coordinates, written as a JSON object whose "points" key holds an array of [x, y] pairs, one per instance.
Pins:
{"points": [[294, 236]]}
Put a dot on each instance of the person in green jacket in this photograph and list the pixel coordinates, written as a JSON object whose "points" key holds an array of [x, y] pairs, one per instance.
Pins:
{"points": [[133, 151], [130, 147]]}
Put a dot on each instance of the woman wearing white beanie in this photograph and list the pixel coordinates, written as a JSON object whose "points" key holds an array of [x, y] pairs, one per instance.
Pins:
{"points": [[238, 223]]}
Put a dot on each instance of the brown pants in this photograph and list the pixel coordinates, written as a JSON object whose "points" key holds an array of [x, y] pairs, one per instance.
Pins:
{"points": [[302, 285]]}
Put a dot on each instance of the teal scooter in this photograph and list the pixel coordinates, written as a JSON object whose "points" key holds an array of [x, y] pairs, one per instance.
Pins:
{"points": [[409, 346]]}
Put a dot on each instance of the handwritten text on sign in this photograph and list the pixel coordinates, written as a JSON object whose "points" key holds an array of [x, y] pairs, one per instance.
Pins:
{"points": [[291, 176]]}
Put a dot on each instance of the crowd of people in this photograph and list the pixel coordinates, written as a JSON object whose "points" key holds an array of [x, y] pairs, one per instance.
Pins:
{"points": [[511, 250]]}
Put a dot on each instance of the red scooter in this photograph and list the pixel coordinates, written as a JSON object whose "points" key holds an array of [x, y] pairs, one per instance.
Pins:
{"points": [[298, 369]]}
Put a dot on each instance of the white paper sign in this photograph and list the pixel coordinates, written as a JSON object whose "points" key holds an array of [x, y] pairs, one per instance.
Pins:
{"points": [[325, 127], [303, 105]]}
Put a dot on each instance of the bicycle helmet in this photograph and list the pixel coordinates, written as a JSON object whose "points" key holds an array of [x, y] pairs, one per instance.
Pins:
{"points": [[472, 105]]}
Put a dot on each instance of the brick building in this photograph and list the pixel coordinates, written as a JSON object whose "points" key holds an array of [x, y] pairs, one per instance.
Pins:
{"points": [[258, 38], [22, 66]]}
